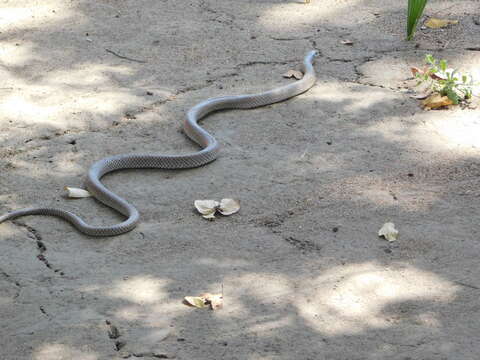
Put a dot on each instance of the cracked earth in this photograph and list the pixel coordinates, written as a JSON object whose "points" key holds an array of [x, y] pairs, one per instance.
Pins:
{"points": [[304, 274]]}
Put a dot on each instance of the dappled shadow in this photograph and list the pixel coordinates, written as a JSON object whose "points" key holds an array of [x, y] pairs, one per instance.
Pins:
{"points": [[303, 272]]}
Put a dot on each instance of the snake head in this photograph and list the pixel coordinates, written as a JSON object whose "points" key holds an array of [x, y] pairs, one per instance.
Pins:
{"points": [[311, 55]]}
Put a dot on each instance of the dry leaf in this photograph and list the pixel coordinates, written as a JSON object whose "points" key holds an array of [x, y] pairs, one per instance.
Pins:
{"points": [[443, 75], [207, 208], [347, 42], [436, 101], [415, 70], [196, 301], [434, 23], [76, 192], [293, 73], [228, 206], [214, 300], [210, 216], [388, 231]]}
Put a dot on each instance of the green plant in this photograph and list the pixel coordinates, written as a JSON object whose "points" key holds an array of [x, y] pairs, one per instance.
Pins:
{"points": [[447, 82], [414, 12]]}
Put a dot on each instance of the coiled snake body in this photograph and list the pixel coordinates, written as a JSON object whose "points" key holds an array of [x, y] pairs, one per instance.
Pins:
{"points": [[208, 153]]}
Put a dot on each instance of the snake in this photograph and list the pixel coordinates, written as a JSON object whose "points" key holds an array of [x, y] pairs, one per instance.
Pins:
{"points": [[208, 152]]}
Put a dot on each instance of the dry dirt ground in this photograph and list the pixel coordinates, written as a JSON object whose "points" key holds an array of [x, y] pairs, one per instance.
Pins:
{"points": [[305, 275]]}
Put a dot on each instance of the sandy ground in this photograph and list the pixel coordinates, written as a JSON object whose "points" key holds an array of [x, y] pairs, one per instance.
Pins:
{"points": [[304, 274]]}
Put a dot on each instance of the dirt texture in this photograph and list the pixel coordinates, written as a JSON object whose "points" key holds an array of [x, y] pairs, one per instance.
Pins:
{"points": [[304, 274]]}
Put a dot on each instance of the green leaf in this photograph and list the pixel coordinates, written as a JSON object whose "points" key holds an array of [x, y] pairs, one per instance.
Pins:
{"points": [[443, 65], [464, 78], [452, 95], [414, 13]]}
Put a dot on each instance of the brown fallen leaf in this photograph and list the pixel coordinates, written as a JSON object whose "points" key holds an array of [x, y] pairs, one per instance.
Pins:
{"points": [[347, 42], [434, 23], [436, 101], [415, 71], [293, 73], [214, 300]]}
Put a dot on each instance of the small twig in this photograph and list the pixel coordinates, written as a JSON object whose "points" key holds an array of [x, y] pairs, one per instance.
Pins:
{"points": [[125, 57]]}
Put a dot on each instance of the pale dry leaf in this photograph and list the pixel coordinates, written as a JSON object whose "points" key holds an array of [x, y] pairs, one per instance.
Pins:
{"points": [[76, 192], [435, 23], [209, 216], [347, 42], [293, 73], [207, 208], [436, 101], [229, 206], [214, 300], [443, 75], [196, 301], [388, 231]]}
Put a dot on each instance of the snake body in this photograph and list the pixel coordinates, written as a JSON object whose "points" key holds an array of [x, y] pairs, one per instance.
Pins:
{"points": [[208, 153]]}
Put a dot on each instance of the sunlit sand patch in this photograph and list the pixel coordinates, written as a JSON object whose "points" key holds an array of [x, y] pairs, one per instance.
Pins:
{"points": [[140, 290], [57, 104], [13, 55], [87, 74], [34, 15], [463, 129], [291, 15], [60, 351], [354, 298], [244, 290], [66, 100]]}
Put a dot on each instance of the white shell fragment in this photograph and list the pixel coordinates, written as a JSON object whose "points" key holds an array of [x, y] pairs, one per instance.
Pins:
{"points": [[208, 208], [228, 206], [388, 231], [76, 192], [293, 73]]}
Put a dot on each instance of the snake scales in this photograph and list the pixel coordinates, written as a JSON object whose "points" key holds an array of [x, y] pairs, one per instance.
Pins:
{"points": [[208, 153]]}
